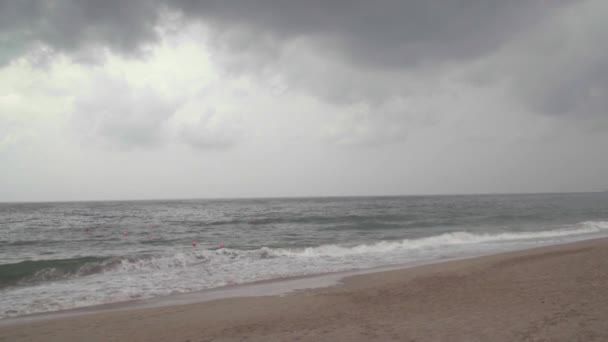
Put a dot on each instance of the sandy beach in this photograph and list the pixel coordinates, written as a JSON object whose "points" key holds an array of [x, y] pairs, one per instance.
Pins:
{"points": [[556, 293]]}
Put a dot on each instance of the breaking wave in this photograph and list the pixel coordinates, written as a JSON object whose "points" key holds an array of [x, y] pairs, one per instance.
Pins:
{"points": [[446, 239], [30, 272], [34, 272]]}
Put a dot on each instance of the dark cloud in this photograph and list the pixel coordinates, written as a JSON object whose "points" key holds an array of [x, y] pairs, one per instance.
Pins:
{"points": [[561, 67], [385, 33], [370, 37], [581, 94], [375, 52], [73, 25], [381, 33]]}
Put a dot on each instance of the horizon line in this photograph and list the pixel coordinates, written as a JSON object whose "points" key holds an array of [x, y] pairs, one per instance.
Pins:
{"points": [[298, 197]]}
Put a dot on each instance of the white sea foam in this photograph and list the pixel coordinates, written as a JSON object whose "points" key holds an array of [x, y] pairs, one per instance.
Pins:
{"points": [[212, 258], [447, 239], [146, 276]]}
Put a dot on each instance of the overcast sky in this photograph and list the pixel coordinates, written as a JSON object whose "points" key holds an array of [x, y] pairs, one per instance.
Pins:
{"points": [[150, 99]]}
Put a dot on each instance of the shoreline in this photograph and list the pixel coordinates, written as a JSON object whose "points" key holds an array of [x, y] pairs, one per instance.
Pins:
{"points": [[262, 288], [377, 289]]}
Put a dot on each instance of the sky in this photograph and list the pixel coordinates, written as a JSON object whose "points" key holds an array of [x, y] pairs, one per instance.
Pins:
{"points": [[157, 99]]}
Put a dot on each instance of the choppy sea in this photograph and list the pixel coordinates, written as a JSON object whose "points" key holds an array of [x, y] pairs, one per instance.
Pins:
{"points": [[56, 256]]}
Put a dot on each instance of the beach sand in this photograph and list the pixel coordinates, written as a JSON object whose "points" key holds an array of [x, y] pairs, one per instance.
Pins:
{"points": [[557, 293]]}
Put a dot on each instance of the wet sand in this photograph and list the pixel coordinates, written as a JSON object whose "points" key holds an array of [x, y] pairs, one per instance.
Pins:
{"points": [[557, 293]]}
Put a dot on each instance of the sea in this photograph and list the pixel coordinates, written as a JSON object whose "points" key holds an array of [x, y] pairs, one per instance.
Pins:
{"points": [[60, 255]]}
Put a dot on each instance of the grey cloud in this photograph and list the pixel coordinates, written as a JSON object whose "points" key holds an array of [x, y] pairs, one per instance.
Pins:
{"points": [[580, 94], [386, 33], [561, 67], [72, 25], [206, 129], [368, 52], [360, 130], [6, 134], [380, 33], [114, 113], [373, 52]]}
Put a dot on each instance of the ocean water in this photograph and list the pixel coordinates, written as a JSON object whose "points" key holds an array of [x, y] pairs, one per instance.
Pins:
{"points": [[56, 256]]}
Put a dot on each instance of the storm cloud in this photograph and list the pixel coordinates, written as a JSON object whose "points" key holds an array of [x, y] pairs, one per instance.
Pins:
{"points": [[385, 33], [427, 89], [383, 36], [75, 26]]}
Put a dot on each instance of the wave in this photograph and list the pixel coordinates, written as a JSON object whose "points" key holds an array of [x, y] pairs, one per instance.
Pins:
{"points": [[33, 272], [26, 272], [305, 219], [446, 239], [33, 242]]}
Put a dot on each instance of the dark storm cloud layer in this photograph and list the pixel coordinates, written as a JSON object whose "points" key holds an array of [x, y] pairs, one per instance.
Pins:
{"points": [[381, 33], [378, 35], [72, 25], [386, 33]]}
